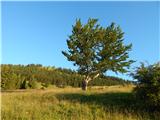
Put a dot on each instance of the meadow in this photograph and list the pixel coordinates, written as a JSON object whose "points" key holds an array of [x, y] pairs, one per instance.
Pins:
{"points": [[98, 103]]}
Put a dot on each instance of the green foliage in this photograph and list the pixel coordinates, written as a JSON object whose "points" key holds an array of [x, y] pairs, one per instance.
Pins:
{"points": [[36, 76], [24, 85], [13, 82], [148, 88], [95, 49], [34, 84]]}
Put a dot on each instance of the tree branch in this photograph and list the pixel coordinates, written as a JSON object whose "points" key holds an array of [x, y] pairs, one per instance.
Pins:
{"points": [[89, 79]]}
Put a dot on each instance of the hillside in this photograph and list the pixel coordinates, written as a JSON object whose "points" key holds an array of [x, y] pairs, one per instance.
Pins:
{"points": [[38, 76]]}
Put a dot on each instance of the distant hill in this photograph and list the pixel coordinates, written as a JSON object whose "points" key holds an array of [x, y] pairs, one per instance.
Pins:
{"points": [[38, 76]]}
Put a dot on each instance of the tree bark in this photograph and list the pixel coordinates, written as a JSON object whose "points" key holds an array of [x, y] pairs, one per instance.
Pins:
{"points": [[85, 82]]}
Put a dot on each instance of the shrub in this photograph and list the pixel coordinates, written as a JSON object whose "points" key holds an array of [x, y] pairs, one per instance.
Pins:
{"points": [[34, 84], [25, 85], [14, 82], [148, 88]]}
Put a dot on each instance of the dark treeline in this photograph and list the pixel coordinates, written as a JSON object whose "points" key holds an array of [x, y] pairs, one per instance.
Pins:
{"points": [[38, 76]]}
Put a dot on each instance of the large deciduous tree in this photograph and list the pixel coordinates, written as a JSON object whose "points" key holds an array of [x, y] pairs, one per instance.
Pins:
{"points": [[96, 49]]}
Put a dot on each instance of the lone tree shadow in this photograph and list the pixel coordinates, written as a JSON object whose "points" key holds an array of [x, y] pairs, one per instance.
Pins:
{"points": [[124, 102]]}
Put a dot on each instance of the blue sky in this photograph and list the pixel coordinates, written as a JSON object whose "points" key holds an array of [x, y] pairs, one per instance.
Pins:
{"points": [[36, 32]]}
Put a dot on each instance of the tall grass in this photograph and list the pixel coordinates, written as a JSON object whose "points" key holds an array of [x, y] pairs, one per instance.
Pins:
{"points": [[107, 103]]}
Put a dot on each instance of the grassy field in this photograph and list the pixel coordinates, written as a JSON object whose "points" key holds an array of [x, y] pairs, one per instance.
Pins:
{"points": [[98, 103]]}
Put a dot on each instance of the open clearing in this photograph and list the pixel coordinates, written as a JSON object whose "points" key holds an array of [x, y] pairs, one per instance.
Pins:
{"points": [[98, 103]]}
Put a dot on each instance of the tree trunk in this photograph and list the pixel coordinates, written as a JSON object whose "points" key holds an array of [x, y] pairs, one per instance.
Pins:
{"points": [[85, 81], [84, 84]]}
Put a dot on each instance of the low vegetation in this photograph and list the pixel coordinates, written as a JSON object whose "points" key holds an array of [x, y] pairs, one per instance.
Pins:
{"points": [[98, 103], [148, 88]]}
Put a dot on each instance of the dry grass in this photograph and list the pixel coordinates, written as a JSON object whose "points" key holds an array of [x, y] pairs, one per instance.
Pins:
{"points": [[98, 103]]}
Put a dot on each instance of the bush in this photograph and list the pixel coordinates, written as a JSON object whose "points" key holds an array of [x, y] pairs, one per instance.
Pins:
{"points": [[25, 85], [34, 84], [14, 82], [148, 88]]}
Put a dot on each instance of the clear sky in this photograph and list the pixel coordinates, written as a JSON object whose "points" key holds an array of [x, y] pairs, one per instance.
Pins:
{"points": [[36, 32]]}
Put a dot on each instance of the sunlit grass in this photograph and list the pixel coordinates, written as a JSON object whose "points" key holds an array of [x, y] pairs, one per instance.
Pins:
{"points": [[98, 103]]}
